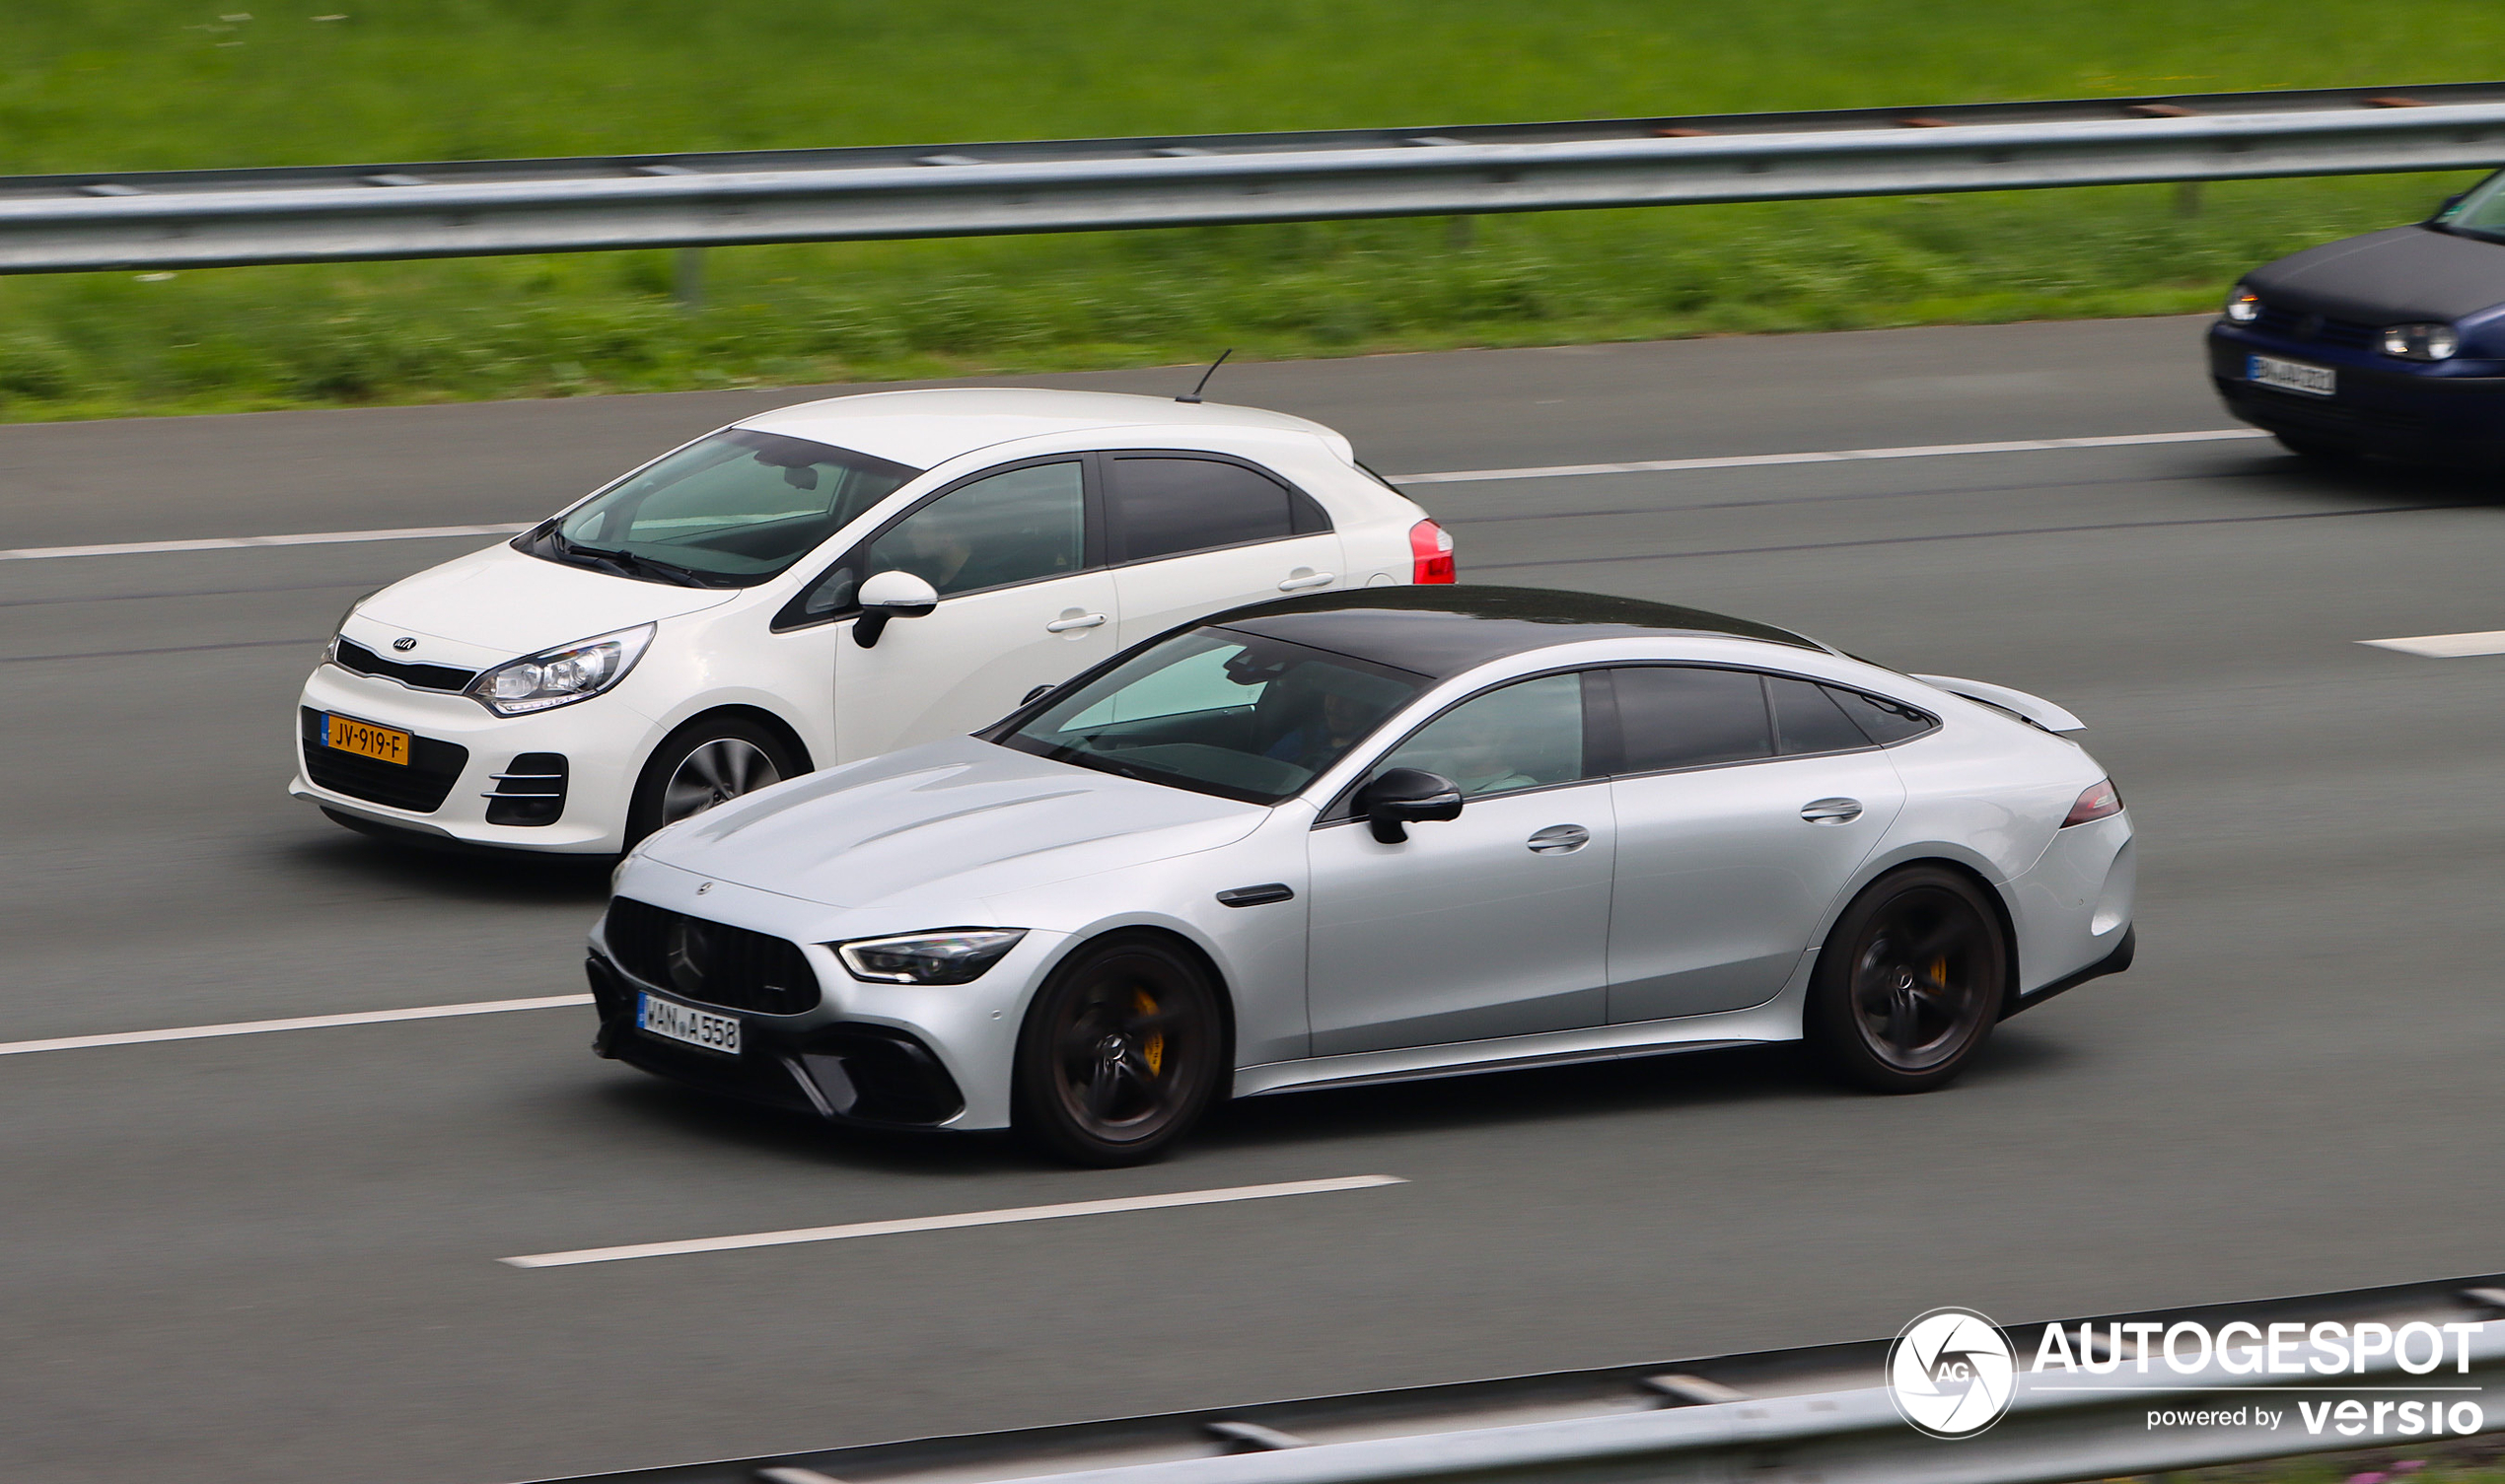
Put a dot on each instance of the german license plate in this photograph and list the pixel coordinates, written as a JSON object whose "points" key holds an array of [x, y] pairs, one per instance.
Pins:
{"points": [[2292, 375], [686, 1024], [366, 740]]}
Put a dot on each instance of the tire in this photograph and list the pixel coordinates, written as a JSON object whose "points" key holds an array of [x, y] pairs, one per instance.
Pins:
{"points": [[1909, 982], [1122, 1052], [2315, 450], [708, 761]]}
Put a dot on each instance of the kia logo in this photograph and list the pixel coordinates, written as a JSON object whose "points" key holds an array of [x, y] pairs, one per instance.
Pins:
{"points": [[404, 644]]}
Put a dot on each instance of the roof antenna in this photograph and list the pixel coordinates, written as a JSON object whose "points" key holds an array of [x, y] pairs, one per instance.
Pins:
{"points": [[1194, 394]]}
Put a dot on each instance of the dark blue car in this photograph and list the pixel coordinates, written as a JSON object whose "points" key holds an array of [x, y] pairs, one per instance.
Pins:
{"points": [[2390, 343]]}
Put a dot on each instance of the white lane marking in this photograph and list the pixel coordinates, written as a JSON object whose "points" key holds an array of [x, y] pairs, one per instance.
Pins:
{"points": [[231, 543], [2445, 646], [300, 1022], [950, 1223], [1833, 456], [1453, 476]]}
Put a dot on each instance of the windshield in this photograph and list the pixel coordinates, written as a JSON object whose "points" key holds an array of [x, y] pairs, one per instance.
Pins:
{"points": [[2480, 212], [1220, 712], [725, 511]]}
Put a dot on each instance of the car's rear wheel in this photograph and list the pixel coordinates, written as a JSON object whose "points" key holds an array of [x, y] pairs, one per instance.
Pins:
{"points": [[1122, 1052], [1909, 982], [709, 761]]}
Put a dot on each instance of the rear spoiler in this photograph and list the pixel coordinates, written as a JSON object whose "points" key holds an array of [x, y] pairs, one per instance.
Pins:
{"points": [[2032, 708]]}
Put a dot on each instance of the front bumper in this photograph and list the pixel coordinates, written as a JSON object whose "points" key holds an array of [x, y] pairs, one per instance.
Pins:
{"points": [[2440, 412], [847, 1072], [452, 786], [850, 1051]]}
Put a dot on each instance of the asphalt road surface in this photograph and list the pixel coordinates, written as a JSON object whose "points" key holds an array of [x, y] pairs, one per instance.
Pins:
{"points": [[273, 1258]]}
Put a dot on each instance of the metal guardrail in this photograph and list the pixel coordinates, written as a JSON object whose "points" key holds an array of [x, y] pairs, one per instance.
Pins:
{"points": [[1816, 1416], [468, 208]]}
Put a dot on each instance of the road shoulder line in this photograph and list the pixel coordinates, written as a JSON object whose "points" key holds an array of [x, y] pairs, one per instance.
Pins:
{"points": [[950, 1223], [297, 1022]]}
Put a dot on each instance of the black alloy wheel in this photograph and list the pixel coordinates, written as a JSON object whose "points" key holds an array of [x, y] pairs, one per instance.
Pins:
{"points": [[1122, 1051], [709, 761], [1911, 981]]}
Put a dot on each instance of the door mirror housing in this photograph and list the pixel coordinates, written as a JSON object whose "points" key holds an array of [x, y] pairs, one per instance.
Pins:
{"points": [[1402, 797], [890, 594]]}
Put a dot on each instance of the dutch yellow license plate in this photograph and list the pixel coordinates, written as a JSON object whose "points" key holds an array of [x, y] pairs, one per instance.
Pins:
{"points": [[367, 739]]}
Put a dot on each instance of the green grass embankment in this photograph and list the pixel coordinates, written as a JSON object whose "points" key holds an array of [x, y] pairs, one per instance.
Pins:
{"points": [[155, 84]]}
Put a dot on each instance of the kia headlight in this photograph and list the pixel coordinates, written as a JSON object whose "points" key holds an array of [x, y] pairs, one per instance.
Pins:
{"points": [[2242, 305], [951, 955], [560, 676], [2421, 343]]}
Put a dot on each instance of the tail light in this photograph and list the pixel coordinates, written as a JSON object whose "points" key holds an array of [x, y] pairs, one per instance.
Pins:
{"points": [[1432, 545], [2100, 801]]}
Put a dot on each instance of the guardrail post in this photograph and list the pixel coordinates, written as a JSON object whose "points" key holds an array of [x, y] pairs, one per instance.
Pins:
{"points": [[687, 279]]}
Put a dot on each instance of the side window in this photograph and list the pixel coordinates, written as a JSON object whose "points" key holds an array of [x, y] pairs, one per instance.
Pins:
{"points": [[1522, 736], [1675, 717], [1808, 718], [1012, 527], [1885, 721], [830, 594], [1168, 505]]}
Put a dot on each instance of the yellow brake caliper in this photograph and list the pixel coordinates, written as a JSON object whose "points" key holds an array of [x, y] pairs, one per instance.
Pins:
{"points": [[1152, 1048]]}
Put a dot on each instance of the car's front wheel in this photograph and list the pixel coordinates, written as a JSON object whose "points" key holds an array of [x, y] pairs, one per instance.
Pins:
{"points": [[1122, 1051], [708, 761], [1909, 982]]}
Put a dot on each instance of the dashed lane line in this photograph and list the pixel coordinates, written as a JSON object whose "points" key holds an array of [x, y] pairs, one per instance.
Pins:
{"points": [[233, 542], [2445, 646], [952, 1222], [1450, 476], [298, 1023], [1833, 455]]}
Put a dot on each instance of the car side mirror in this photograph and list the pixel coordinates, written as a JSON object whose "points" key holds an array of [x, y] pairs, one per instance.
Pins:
{"points": [[1403, 797], [890, 594]]}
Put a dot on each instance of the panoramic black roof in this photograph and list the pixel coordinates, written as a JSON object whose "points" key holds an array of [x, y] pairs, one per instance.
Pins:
{"points": [[1437, 631]]}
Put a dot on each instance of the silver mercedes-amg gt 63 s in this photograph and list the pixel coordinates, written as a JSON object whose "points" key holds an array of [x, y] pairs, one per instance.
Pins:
{"points": [[1381, 834]]}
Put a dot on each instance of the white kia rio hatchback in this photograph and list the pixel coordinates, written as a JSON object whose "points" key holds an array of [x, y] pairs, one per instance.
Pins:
{"points": [[1378, 835], [824, 582]]}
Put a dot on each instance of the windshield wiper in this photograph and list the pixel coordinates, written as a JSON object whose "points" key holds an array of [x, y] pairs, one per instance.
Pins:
{"points": [[627, 563]]}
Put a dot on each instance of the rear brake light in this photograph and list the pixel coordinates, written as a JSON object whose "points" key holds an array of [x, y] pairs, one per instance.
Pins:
{"points": [[2100, 801], [1432, 545]]}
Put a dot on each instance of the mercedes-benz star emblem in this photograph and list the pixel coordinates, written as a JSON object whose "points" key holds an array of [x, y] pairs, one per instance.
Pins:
{"points": [[1952, 1373], [404, 644]]}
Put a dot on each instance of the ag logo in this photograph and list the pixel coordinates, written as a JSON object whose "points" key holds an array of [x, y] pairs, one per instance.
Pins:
{"points": [[404, 644], [1950, 1373]]}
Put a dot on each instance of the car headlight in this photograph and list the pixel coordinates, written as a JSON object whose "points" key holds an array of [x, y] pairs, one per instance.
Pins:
{"points": [[2421, 343], [951, 955], [560, 676], [2242, 305]]}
